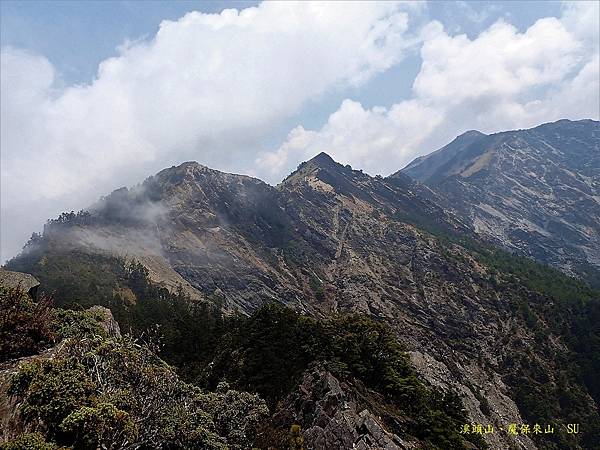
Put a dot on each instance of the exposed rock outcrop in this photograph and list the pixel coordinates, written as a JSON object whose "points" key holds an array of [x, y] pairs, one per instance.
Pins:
{"points": [[21, 280], [334, 416], [108, 324]]}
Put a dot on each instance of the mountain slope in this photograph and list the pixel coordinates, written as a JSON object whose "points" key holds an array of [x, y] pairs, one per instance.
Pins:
{"points": [[84, 386], [536, 192], [322, 377], [426, 168], [332, 240]]}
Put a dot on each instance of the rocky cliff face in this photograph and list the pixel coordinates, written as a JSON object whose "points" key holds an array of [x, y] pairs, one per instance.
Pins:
{"points": [[536, 192], [330, 239], [237, 238]]}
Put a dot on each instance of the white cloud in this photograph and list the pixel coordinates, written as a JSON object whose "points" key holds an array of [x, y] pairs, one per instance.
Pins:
{"points": [[500, 62], [582, 19], [502, 79], [213, 87], [206, 87], [357, 136], [461, 13]]}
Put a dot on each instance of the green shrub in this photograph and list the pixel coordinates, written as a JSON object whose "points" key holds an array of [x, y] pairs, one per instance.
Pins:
{"points": [[68, 323], [28, 441], [25, 325], [99, 392], [52, 389], [103, 425]]}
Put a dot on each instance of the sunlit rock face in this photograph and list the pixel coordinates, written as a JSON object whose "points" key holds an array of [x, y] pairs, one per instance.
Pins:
{"points": [[536, 192]]}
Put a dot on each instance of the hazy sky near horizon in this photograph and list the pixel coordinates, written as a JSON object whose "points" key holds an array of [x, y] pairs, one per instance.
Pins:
{"points": [[100, 94]]}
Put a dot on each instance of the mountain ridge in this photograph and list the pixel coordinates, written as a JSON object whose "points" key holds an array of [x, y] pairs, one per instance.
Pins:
{"points": [[331, 240], [534, 191]]}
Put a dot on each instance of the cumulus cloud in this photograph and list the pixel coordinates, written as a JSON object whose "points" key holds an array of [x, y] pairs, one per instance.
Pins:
{"points": [[357, 136], [213, 87], [205, 87], [502, 79]]}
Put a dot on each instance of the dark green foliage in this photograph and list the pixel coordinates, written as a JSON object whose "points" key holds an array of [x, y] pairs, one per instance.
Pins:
{"points": [[80, 279], [535, 276], [77, 279], [28, 441], [69, 323], [583, 335], [187, 329], [53, 388], [267, 353], [369, 350], [103, 392], [102, 424], [28, 327], [25, 325], [236, 415]]}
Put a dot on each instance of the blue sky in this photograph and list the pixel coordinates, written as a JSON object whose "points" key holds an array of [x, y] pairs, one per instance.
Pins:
{"points": [[100, 94], [77, 35]]}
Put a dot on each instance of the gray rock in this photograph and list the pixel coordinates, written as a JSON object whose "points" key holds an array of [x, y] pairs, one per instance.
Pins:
{"points": [[25, 281], [333, 416], [535, 192], [109, 324]]}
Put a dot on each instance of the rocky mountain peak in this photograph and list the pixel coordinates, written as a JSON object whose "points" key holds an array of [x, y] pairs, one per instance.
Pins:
{"points": [[193, 183], [533, 191], [321, 163], [427, 168], [323, 159], [187, 168], [188, 172], [470, 134]]}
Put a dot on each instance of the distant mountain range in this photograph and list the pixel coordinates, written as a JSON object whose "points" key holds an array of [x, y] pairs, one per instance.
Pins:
{"points": [[420, 250]]}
